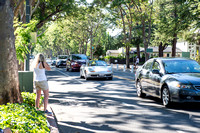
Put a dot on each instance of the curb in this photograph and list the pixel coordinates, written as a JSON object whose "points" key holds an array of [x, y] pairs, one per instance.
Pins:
{"points": [[52, 122]]}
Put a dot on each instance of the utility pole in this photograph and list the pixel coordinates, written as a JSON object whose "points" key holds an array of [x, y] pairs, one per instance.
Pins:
{"points": [[26, 64]]}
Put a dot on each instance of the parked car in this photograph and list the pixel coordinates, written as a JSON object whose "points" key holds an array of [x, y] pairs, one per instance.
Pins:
{"points": [[61, 60], [96, 69], [171, 79], [53, 63], [75, 61], [61, 63]]}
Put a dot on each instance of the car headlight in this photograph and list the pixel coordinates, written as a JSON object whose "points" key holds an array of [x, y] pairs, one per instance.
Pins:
{"points": [[181, 85], [91, 70], [74, 63], [184, 86]]}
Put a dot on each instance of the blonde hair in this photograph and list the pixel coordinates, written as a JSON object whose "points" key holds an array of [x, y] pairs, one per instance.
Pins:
{"points": [[39, 58]]}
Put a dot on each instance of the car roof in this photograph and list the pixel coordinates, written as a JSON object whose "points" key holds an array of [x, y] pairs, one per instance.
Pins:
{"points": [[171, 58]]}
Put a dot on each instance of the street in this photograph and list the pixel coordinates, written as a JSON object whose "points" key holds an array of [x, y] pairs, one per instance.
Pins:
{"points": [[112, 106]]}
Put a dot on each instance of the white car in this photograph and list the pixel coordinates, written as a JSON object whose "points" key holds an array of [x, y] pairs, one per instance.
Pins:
{"points": [[96, 69]]}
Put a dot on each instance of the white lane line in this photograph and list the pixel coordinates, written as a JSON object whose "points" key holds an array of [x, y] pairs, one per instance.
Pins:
{"points": [[69, 76]]}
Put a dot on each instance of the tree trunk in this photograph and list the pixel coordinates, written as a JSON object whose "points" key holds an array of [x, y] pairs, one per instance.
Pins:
{"points": [[160, 50], [9, 81], [127, 57], [86, 48], [174, 45], [91, 41], [138, 51]]}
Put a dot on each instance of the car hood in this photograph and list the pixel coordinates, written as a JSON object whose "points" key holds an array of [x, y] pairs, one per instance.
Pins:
{"points": [[100, 68], [189, 78]]}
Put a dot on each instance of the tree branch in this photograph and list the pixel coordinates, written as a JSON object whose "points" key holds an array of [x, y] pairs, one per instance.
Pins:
{"points": [[16, 9], [36, 6], [41, 23]]}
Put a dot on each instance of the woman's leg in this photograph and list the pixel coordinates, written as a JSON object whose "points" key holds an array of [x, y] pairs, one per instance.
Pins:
{"points": [[46, 97], [37, 100]]}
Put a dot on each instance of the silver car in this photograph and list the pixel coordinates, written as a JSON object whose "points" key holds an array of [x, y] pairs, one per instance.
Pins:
{"points": [[96, 69]]}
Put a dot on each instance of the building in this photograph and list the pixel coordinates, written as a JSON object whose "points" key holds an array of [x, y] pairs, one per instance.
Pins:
{"points": [[166, 52], [189, 47]]}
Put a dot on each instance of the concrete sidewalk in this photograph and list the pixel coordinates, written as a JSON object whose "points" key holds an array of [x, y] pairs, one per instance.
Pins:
{"points": [[122, 67]]}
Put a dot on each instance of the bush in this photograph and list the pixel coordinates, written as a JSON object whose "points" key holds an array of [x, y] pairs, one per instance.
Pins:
{"points": [[22, 118], [29, 98], [114, 57]]}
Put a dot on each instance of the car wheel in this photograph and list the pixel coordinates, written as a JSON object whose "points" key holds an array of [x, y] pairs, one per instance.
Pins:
{"points": [[166, 97], [110, 78], [139, 90]]}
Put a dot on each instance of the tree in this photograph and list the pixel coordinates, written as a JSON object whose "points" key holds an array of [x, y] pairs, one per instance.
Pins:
{"points": [[9, 81], [174, 16]]}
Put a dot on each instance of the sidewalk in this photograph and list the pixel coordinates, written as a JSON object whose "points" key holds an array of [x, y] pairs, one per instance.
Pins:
{"points": [[122, 67]]}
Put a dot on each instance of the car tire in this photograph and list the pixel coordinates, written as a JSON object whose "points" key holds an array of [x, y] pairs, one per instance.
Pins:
{"points": [[110, 78], [139, 90], [166, 97]]}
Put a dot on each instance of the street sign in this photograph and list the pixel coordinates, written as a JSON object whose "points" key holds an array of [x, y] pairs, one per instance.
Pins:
{"points": [[186, 54], [149, 50]]}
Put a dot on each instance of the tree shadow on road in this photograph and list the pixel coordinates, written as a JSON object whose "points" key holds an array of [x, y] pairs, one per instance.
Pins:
{"points": [[116, 104]]}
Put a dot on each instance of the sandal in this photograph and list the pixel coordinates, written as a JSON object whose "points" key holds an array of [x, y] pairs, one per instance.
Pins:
{"points": [[47, 112]]}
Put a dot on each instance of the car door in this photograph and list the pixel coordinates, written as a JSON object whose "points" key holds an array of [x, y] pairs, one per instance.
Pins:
{"points": [[145, 75], [155, 78]]}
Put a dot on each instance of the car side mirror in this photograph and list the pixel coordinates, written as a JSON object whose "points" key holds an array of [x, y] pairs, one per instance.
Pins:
{"points": [[155, 71]]}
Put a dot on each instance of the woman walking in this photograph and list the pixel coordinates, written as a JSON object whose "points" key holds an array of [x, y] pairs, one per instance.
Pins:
{"points": [[40, 81]]}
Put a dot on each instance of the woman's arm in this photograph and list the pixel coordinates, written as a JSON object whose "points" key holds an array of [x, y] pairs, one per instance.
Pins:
{"points": [[47, 67]]}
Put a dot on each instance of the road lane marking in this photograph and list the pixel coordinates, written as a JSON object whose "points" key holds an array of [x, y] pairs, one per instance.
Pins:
{"points": [[69, 76]]}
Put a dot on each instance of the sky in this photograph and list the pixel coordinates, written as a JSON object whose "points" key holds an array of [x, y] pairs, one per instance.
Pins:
{"points": [[89, 1]]}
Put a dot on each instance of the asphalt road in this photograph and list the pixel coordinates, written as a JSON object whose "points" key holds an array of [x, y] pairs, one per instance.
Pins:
{"points": [[112, 106]]}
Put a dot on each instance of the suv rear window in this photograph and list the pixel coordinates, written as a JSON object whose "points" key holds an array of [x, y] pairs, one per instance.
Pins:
{"points": [[79, 57]]}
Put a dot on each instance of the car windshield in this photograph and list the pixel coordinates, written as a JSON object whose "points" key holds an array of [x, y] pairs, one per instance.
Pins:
{"points": [[62, 56], [79, 57], [181, 66], [63, 61], [97, 63]]}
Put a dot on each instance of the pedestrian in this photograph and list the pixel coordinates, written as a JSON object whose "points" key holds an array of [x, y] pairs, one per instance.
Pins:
{"points": [[40, 81], [137, 62]]}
